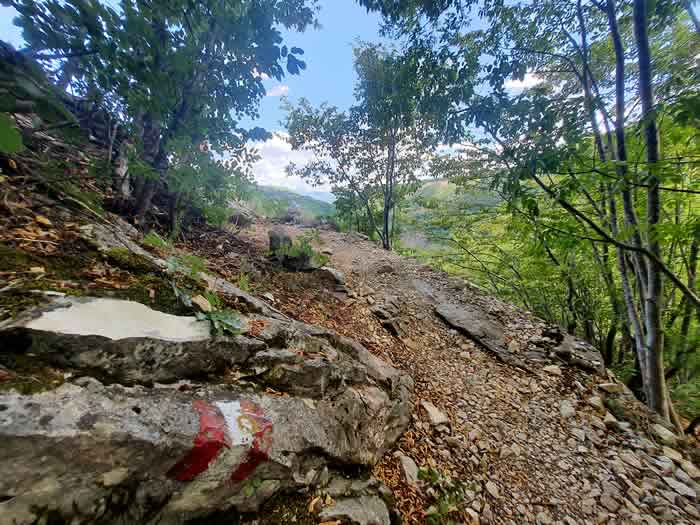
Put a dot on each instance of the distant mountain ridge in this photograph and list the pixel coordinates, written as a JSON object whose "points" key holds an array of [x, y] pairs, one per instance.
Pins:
{"points": [[275, 202]]}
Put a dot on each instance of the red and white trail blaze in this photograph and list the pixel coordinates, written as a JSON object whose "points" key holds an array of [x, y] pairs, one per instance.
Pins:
{"points": [[227, 424]]}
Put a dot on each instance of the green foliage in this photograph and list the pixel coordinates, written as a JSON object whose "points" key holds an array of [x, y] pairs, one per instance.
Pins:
{"points": [[198, 72], [449, 496], [302, 249], [372, 154], [154, 240], [10, 137], [217, 215], [182, 295], [187, 264], [575, 163], [214, 299], [224, 322], [244, 282]]}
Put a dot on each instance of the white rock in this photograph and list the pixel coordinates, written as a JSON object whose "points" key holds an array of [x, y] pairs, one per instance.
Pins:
{"points": [[609, 503], [578, 434], [610, 421], [114, 477], [682, 476], [410, 469], [202, 302], [566, 409], [552, 369], [612, 388], [597, 403], [116, 319], [631, 459], [672, 453], [492, 489], [435, 415]]}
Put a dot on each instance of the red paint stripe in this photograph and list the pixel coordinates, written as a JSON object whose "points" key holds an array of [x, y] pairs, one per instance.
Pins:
{"points": [[206, 445]]}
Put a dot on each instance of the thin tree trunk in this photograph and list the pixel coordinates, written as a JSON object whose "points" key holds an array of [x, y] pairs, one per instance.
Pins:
{"points": [[656, 382], [635, 323], [153, 154], [686, 348], [389, 191]]}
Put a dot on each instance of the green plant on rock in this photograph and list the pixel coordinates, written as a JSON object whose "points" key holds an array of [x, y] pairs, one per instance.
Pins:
{"points": [[244, 282], [223, 322], [156, 241], [302, 249], [449, 496], [187, 264], [214, 300], [182, 296]]}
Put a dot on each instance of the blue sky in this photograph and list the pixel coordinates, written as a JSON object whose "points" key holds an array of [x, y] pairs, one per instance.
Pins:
{"points": [[329, 76]]}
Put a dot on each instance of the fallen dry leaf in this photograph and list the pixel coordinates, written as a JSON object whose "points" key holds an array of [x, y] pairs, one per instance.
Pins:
{"points": [[315, 505], [43, 220]]}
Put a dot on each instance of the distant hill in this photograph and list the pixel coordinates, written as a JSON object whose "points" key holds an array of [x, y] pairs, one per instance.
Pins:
{"points": [[422, 228], [274, 202]]}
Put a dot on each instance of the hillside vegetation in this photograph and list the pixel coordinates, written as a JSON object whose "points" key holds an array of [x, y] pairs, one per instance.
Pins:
{"points": [[277, 203]]}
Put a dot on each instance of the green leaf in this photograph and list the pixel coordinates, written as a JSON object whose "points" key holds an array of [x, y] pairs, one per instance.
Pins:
{"points": [[10, 137]]}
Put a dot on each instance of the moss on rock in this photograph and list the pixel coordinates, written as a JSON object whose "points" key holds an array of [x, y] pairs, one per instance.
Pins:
{"points": [[127, 260]]}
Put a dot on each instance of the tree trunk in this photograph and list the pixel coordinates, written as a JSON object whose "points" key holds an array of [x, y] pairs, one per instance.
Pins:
{"points": [[120, 177], [686, 348], [609, 348], [389, 191], [153, 155], [655, 380]]}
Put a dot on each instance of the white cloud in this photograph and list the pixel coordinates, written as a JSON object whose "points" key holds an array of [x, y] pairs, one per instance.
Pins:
{"points": [[528, 81], [275, 154], [278, 90]]}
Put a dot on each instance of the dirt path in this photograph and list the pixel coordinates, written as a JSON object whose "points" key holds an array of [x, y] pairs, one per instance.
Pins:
{"points": [[530, 447]]}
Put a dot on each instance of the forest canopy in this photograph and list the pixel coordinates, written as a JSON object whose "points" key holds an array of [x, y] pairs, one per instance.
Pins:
{"points": [[596, 161]]}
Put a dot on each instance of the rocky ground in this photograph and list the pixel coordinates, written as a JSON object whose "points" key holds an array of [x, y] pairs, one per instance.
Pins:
{"points": [[528, 427], [442, 401]]}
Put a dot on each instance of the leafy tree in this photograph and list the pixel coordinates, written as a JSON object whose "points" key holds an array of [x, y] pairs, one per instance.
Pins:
{"points": [[183, 70], [377, 149], [586, 139]]}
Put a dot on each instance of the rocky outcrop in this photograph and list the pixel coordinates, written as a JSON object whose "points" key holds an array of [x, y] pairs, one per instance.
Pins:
{"points": [[279, 240], [241, 215], [490, 333], [158, 422], [299, 258], [122, 236]]}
